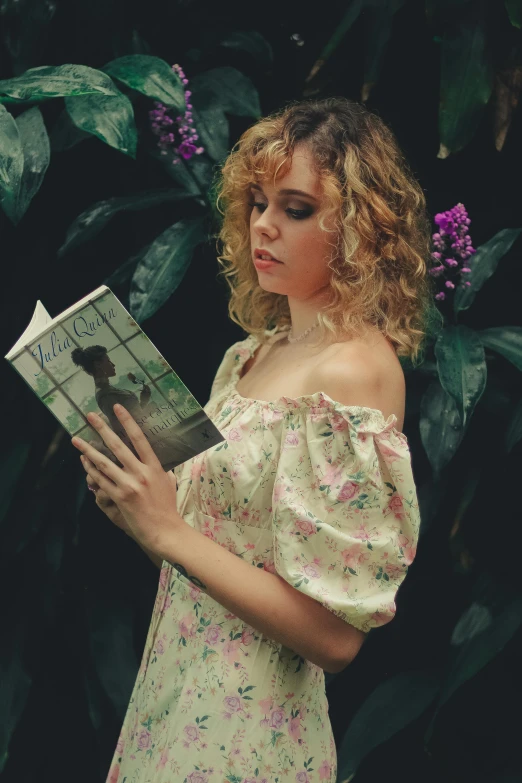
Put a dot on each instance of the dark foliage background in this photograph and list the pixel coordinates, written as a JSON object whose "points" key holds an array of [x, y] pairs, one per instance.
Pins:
{"points": [[431, 697]]}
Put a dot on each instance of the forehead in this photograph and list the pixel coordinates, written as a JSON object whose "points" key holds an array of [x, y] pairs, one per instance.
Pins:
{"points": [[301, 175]]}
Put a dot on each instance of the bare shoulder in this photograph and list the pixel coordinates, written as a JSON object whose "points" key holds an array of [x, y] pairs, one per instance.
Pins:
{"points": [[364, 373]]}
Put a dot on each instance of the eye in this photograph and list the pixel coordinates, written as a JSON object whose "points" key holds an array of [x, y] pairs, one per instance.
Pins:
{"points": [[296, 214]]}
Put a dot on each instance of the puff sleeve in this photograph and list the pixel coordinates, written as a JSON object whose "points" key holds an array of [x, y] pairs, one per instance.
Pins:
{"points": [[345, 515]]}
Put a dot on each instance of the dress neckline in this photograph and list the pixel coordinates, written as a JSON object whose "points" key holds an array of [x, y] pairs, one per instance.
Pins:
{"points": [[316, 400]]}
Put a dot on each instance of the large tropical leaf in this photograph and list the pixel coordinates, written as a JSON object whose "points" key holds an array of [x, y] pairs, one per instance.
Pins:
{"points": [[462, 367], [90, 222], [514, 429], [250, 41], [379, 27], [56, 81], [394, 704], [163, 267], [64, 134], [514, 9], [477, 651], [37, 155], [483, 263], [110, 118], [466, 81], [506, 340], [151, 76], [228, 88], [11, 163], [440, 427]]}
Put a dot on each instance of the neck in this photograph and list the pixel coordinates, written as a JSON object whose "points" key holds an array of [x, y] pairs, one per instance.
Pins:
{"points": [[101, 382]]}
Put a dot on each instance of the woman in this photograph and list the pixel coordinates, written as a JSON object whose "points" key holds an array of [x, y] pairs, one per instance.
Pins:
{"points": [[282, 549]]}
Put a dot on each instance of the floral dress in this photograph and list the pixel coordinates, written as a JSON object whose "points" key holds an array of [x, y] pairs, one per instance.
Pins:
{"points": [[318, 492]]}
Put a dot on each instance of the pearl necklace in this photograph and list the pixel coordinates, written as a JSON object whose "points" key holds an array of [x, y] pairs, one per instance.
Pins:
{"points": [[301, 336]]}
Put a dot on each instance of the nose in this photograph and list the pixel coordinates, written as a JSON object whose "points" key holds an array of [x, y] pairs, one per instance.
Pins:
{"points": [[264, 224]]}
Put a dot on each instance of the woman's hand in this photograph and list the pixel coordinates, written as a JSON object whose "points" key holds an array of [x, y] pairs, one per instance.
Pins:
{"points": [[145, 495], [108, 506]]}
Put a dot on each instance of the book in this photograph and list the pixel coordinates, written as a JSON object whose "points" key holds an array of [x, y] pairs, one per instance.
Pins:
{"points": [[94, 355]]}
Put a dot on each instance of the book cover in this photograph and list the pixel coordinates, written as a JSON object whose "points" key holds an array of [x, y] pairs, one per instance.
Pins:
{"points": [[95, 355]]}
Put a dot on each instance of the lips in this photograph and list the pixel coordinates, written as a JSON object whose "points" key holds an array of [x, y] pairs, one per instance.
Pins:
{"points": [[258, 253]]}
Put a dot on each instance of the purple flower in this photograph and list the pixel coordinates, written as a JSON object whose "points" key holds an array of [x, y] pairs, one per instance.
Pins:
{"points": [[160, 121], [451, 250]]}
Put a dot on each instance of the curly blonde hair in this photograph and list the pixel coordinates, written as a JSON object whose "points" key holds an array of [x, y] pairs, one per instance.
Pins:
{"points": [[379, 259]]}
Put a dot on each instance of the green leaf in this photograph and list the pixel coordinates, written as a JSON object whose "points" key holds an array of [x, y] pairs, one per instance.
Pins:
{"points": [[37, 155], [110, 118], [514, 429], [440, 427], [478, 651], [228, 88], [89, 224], [514, 9], [49, 81], [163, 267], [506, 340], [151, 76], [462, 367], [394, 704], [483, 263], [64, 133], [11, 163], [467, 74], [252, 42], [110, 624], [16, 682], [379, 31]]}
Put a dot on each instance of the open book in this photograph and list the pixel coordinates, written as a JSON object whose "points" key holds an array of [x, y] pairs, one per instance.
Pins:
{"points": [[95, 355]]}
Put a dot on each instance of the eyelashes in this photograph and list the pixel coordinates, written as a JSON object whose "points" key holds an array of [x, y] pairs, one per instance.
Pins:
{"points": [[296, 214]]}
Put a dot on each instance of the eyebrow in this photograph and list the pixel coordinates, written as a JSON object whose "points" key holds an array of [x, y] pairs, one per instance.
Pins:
{"points": [[285, 191]]}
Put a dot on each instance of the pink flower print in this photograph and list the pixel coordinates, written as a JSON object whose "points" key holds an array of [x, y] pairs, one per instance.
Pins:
{"points": [[269, 566], [348, 490], [403, 541], [233, 703], [265, 705], [394, 571], [339, 423], [277, 718], [194, 593], [311, 571], [160, 649], [325, 770], [231, 650], [120, 745], [187, 626], [144, 739], [306, 527], [247, 637], [195, 471], [409, 554], [354, 556], [363, 533], [294, 728], [213, 634], [380, 618], [279, 491], [234, 434], [163, 759], [302, 777], [191, 732], [197, 777], [168, 602], [332, 475], [163, 577], [395, 505], [114, 774], [291, 439], [389, 453]]}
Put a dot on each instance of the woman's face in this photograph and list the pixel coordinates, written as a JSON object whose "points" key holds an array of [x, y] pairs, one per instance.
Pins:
{"points": [[104, 368], [286, 226]]}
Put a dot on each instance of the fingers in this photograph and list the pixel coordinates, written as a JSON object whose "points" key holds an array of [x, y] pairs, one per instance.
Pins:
{"points": [[138, 439], [112, 441], [103, 464], [97, 478]]}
